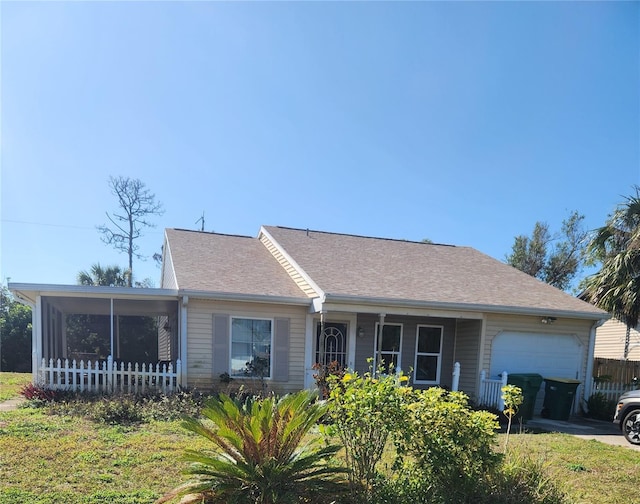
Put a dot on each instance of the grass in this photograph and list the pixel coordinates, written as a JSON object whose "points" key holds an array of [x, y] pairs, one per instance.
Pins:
{"points": [[47, 458], [11, 383], [52, 459], [588, 470]]}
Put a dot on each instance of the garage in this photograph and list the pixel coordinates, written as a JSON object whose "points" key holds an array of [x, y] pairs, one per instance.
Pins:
{"points": [[551, 355]]}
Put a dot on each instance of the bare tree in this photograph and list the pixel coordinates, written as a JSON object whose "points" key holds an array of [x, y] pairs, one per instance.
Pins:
{"points": [[136, 204]]}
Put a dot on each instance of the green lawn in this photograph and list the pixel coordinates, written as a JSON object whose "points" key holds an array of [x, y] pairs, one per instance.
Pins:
{"points": [[11, 383], [52, 459], [588, 470]]}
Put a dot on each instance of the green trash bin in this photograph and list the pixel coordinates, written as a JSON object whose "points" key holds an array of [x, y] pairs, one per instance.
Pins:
{"points": [[529, 383], [559, 394]]}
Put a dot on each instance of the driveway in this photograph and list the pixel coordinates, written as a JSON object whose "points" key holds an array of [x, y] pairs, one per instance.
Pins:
{"points": [[585, 428]]}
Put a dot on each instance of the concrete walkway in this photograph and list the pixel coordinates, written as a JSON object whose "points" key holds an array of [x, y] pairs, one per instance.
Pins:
{"points": [[11, 404]]}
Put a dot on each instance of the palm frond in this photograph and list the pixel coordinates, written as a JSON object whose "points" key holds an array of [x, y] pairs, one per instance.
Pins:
{"points": [[616, 286]]}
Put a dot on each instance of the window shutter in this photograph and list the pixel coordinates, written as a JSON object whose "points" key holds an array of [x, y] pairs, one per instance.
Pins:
{"points": [[220, 344], [281, 350]]}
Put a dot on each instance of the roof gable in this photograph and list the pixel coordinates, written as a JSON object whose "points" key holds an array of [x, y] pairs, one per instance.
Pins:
{"points": [[213, 262]]}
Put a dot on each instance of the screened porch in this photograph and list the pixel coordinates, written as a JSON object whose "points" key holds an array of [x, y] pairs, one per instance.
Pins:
{"points": [[104, 339]]}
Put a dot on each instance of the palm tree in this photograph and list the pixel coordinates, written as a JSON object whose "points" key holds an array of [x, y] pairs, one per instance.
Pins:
{"points": [[111, 276], [263, 454], [616, 287]]}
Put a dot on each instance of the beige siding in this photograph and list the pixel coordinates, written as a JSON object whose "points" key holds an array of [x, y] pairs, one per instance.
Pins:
{"points": [[466, 353], [610, 341], [365, 344], [500, 323], [293, 272], [200, 340], [168, 280]]}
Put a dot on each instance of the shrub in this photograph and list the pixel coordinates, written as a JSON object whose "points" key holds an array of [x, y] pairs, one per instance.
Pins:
{"points": [[450, 445], [512, 397], [127, 408], [259, 458], [121, 409], [401, 490], [38, 394], [174, 406], [599, 407], [364, 411], [326, 372], [518, 480]]}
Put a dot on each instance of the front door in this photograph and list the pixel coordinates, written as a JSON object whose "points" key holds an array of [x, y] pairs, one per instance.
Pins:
{"points": [[331, 343]]}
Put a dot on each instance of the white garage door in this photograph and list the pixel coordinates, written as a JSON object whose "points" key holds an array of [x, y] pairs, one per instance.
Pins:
{"points": [[550, 355]]}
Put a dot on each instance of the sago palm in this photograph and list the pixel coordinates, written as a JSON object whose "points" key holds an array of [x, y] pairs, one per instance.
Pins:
{"points": [[261, 456]]}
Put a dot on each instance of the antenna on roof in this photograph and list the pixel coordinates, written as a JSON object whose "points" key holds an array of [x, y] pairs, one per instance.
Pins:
{"points": [[201, 219]]}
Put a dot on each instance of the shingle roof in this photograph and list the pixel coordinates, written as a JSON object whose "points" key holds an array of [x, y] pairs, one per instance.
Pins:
{"points": [[347, 265], [227, 263]]}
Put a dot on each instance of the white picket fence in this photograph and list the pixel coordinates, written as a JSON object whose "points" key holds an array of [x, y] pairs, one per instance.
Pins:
{"points": [[491, 390], [611, 390], [108, 376]]}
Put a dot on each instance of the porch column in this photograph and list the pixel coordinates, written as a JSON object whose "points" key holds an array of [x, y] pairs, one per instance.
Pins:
{"points": [[321, 350], [36, 340], [378, 341], [308, 352], [351, 348], [111, 324], [117, 329], [480, 364], [455, 381], [63, 330], [182, 350]]}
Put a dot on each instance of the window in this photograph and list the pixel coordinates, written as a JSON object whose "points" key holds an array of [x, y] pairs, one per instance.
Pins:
{"points": [[251, 341], [428, 354], [388, 346]]}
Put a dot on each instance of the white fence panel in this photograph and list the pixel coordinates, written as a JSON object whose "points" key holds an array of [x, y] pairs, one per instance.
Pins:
{"points": [[611, 390], [491, 390], [108, 376]]}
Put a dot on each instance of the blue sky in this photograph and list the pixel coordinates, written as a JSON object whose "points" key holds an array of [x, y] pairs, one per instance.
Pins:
{"points": [[461, 122]]}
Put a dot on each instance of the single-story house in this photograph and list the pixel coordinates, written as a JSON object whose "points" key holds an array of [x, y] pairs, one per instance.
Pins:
{"points": [[276, 304]]}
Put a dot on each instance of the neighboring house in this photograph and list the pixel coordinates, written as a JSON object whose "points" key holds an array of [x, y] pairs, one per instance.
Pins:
{"points": [[610, 341], [289, 298]]}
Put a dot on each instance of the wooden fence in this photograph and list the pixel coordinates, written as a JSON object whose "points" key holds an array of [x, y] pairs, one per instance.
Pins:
{"points": [[613, 377], [619, 371], [109, 376]]}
